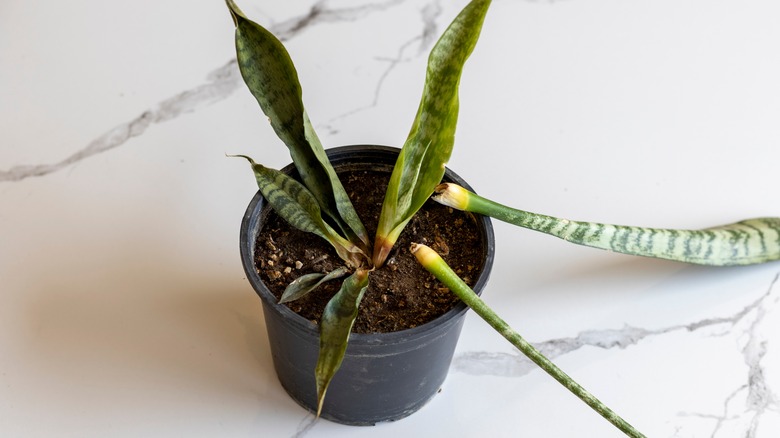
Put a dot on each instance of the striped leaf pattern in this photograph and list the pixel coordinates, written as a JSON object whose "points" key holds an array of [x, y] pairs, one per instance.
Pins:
{"points": [[307, 283], [270, 75], [335, 326], [742, 243], [420, 166], [295, 204]]}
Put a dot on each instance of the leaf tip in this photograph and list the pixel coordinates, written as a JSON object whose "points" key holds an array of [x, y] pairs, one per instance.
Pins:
{"points": [[255, 166], [320, 402], [235, 12], [240, 156]]}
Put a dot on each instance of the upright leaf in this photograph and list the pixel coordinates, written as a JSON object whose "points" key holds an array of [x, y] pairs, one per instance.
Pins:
{"points": [[336, 324], [420, 166], [271, 77], [295, 204]]}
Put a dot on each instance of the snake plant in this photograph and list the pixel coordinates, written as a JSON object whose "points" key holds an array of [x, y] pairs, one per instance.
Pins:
{"points": [[320, 200], [320, 205]]}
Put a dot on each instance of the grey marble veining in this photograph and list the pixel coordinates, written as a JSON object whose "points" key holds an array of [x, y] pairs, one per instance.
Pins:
{"points": [[322, 12], [422, 42], [745, 405], [515, 365], [307, 423], [220, 84], [736, 345], [748, 403]]}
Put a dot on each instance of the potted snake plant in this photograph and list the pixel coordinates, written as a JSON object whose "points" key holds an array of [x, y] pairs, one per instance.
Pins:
{"points": [[368, 376]]}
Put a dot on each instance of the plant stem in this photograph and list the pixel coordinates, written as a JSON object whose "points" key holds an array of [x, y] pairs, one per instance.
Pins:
{"points": [[436, 265]]}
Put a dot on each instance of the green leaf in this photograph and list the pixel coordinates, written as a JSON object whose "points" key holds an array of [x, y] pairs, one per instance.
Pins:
{"points": [[336, 324], [741, 243], [432, 262], [270, 75], [295, 204], [307, 283], [420, 166]]}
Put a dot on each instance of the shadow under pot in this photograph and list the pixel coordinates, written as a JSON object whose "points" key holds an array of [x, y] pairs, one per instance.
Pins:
{"points": [[384, 376]]}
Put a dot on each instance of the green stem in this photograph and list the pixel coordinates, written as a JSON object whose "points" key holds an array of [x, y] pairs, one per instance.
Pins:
{"points": [[436, 265]]}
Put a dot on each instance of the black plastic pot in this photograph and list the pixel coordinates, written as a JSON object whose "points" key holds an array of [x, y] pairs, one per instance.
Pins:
{"points": [[384, 377]]}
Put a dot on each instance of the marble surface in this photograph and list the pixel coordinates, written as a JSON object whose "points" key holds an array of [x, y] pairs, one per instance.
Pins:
{"points": [[125, 311]]}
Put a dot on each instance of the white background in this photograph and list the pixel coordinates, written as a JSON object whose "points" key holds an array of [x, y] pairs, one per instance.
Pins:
{"points": [[124, 310]]}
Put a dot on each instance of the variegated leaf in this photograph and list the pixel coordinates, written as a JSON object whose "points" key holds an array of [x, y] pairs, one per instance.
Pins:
{"points": [[420, 166], [271, 77], [741, 243], [307, 283], [295, 204], [336, 324]]}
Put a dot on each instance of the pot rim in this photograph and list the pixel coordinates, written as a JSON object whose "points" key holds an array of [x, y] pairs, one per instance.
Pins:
{"points": [[257, 209]]}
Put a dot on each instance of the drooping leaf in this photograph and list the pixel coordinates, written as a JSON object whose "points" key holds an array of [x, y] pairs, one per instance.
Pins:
{"points": [[295, 204], [336, 324], [420, 166], [741, 243], [308, 282], [270, 75]]}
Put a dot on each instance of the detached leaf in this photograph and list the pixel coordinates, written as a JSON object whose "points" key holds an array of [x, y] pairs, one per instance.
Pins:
{"points": [[271, 77], [420, 166], [336, 324], [745, 242], [295, 204], [432, 262], [307, 283]]}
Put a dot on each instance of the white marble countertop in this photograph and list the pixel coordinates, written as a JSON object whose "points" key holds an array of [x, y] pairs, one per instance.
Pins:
{"points": [[124, 310]]}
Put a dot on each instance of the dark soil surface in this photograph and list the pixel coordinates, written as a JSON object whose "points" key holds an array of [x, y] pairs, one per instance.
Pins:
{"points": [[401, 294]]}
